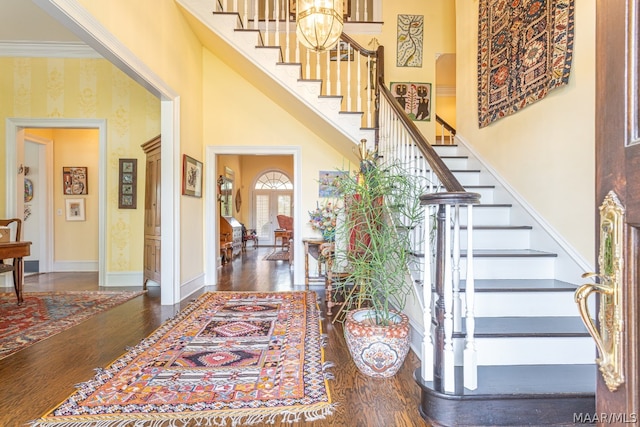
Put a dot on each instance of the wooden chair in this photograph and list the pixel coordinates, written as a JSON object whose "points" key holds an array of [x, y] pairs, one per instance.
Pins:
{"points": [[5, 268], [285, 222]]}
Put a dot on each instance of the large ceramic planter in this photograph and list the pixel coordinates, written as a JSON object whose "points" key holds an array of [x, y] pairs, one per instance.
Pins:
{"points": [[378, 351]]}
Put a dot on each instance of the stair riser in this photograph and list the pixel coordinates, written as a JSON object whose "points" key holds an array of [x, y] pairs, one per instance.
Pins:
{"points": [[497, 239], [446, 150], [512, 267], [486, 194], [535, 351], [467, 178], [456, 163], [493, 215], [523, 304]]}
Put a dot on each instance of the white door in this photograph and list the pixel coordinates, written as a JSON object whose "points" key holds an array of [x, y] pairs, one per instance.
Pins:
{"points": [[273, 196]]}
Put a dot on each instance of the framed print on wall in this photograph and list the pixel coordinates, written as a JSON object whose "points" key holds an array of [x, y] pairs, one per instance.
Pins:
{"points": [[74, 209], [127, 183], [74, 180], [191, 176], [414, 98]]}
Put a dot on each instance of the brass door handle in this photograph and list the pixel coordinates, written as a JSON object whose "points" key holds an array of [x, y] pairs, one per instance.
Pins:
{"points": [[608, 332]]}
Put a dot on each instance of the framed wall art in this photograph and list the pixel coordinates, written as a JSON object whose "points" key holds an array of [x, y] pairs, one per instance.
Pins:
{"points": [[74, 180], [74, 209], [191, 176], [127, 183], [346, 52], [328, 187], [410, 39], [414, 98]]}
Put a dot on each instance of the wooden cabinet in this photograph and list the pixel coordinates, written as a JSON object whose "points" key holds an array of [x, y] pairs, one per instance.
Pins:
{"points": [[152, 217], [231, 231]]}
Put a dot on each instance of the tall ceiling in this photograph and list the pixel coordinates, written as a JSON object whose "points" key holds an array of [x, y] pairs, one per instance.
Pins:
{"points": [[24, 21]]}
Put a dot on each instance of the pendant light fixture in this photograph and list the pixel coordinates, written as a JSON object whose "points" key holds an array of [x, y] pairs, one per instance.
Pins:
{"points": [[319, 23]]}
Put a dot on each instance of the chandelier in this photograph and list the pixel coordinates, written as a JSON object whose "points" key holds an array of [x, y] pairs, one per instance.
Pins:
{"points": [[319, 23]]}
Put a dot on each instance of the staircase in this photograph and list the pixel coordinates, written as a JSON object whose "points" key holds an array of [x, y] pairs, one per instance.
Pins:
{"points": [[534, 358]]}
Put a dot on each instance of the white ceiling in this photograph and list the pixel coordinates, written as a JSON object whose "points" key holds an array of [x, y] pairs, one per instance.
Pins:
{"points": [[24, 21]]}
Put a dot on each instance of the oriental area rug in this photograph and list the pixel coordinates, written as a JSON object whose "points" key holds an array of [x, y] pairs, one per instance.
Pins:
{"points": [[525, 49], [278, 256], [228, 358], [44, 314]]}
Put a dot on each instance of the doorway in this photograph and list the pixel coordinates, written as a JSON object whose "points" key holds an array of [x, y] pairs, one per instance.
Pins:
{"points": [[272, 196], [212, 207]]}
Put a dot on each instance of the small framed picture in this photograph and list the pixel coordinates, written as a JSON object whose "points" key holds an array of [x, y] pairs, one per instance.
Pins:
{"points": [[74, 209], [127, 183], [191, 176], [74, 180]]}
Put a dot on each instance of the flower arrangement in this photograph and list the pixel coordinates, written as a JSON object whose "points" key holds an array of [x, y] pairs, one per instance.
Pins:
{"points": [[323, 219]]}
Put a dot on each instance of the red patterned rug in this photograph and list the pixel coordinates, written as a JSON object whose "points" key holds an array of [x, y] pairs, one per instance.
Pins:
{"points": [[44, 314], [525, 49], [244, 358]]}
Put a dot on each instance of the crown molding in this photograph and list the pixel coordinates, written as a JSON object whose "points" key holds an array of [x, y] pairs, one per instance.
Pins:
{"points": [[47, 49]]}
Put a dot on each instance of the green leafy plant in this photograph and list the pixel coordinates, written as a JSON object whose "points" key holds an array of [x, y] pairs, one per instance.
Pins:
{"points": [[381, 211]]}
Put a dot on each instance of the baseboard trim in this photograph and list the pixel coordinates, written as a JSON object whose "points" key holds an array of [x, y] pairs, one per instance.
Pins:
{"points": [[124, 278], [69, 266], [192, 286]]}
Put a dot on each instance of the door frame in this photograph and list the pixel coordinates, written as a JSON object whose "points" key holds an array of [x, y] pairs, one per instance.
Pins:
{"points": [[212, 210]]}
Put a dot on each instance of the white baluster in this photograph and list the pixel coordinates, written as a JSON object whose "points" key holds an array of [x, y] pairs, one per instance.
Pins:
{"points": [[224, 6], [366, 11], [327, 56], [276, 13], [359, 89], [370, 93], [307, 68], [245, 15], [338, 66], [457, 303], [287, 52], [427, 339], [449, 356], [256, 19], [349, 106], [470, 353], [266, 22], [318, 76], [357, 16]]}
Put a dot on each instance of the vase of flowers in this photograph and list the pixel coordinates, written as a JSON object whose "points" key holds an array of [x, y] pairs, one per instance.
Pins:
{"points": [[323, 219]]}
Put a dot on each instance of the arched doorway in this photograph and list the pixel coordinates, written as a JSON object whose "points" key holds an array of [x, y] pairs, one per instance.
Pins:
{"points": [[272, 196]]}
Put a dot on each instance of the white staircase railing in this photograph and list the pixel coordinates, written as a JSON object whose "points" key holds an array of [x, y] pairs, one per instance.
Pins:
{"points": [[437, 276], [347, 71]]}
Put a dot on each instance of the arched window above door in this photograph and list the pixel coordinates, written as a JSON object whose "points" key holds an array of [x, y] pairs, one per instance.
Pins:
{"points": [[273, 181]]}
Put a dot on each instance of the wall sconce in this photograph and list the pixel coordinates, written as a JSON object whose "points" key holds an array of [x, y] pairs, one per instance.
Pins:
{"points": [[319, 23]]}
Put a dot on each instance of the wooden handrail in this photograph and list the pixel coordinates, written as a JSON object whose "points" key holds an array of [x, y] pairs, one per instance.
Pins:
{"points": [[355, 45], [446, 125], [446, 177]]}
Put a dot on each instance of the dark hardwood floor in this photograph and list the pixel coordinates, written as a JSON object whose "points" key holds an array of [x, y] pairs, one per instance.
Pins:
{"points": [[37, 378]]}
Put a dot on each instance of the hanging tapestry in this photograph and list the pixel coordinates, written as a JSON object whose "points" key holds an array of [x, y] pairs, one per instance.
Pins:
{"points": [[410, 35], [525, 48]]}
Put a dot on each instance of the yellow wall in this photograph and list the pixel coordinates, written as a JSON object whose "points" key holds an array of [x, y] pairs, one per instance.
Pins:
{"points": [[439, 38], [230, 102], [75, 240], [546, 150], [158, 35], [87, 88]]}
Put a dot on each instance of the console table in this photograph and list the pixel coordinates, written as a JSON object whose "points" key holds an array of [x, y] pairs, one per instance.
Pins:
{"points": [[311, 245], [16, 250]]}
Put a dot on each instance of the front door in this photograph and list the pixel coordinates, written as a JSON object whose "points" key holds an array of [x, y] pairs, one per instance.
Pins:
{"points": [[618, 170]]}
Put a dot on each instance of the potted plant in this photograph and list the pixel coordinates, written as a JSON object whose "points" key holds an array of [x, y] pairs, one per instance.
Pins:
{"points": [[381, 209]]}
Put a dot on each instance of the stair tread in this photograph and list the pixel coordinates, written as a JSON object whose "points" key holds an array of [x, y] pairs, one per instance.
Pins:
{"points": [[517, 380], [520, 285], [482, 253], [498, 227], [547, 326]]}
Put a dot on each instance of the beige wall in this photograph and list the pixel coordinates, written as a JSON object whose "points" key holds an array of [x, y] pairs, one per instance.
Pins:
{"points": [[546, 150], [87, 88]]}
